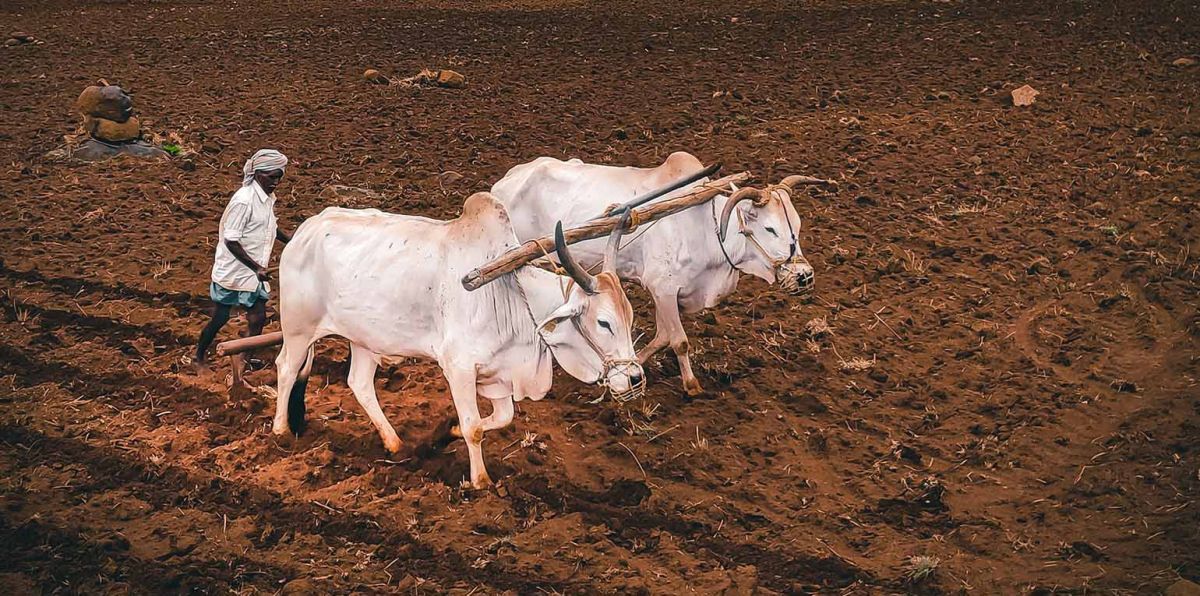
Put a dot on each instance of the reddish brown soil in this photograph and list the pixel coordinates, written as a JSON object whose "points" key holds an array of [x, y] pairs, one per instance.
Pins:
{"points": [[1021, 281]]}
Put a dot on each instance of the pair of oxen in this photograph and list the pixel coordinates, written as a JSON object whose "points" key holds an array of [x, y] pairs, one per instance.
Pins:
{"points": [[392, 285]]}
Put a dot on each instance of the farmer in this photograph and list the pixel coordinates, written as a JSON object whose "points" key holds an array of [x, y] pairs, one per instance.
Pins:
{"points": [[248, 232]]}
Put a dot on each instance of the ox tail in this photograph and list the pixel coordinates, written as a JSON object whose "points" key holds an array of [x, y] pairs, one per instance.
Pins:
{"points": [[296, 407]]}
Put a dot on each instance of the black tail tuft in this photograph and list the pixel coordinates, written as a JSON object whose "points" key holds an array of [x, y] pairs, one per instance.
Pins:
{"points": [[296, 408]]}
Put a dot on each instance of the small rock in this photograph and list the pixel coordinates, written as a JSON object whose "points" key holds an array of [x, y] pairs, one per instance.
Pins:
{"points": [[110, 102], [1183, 587], [1024, 96], [451, 79], [12, 41], [374, 76], [21, 36], [115, 132], [1185, 61]]}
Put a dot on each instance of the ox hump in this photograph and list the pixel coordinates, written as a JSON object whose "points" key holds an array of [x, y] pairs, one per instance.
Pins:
{"points": [[482, 211]]}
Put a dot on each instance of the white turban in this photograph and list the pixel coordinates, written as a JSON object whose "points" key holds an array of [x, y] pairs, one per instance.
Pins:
{"points": [[264, 160]]}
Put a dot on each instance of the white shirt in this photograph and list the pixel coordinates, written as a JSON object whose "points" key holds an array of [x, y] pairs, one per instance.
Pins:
{"points": [[249, 219]]}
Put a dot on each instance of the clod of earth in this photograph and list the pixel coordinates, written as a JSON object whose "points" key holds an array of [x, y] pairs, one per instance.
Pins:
{"points": [[1183, 587], [1024, 96]]}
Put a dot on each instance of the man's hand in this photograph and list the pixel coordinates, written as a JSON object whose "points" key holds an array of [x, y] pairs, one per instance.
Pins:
{"points": [[262, 274]]}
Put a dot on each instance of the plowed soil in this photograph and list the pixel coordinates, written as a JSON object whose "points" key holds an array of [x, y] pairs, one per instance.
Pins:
{"points": [[1005, 399]]}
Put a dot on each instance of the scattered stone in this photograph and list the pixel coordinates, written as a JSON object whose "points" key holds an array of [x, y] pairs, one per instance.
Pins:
{"points": [[113, 131], [451, 79], [1185, 61], [17, 38], [108, 101], [1183, 587], [374, 76], [1024, 96], [436, 78]]}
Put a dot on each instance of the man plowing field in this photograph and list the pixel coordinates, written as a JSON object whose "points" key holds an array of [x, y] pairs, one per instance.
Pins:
{"points": [[247, 234]]}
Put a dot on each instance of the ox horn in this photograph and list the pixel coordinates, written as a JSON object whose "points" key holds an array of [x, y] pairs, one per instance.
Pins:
{"points": [[585, 280], [794, 181], [731, 204], [614, 244]]}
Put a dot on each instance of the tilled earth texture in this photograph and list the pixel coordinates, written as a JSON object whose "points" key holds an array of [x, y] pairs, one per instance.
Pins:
{"points": [[993, 388]]}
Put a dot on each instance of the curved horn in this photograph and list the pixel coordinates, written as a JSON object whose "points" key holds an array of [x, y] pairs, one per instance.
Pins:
{"points": [[796, 180], [614, 244], [585, 280], [731, 204]]}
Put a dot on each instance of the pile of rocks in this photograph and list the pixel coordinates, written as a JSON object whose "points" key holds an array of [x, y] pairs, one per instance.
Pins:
{"points": [[107, 113], [426, 78], [111, 127], [20, 38]]}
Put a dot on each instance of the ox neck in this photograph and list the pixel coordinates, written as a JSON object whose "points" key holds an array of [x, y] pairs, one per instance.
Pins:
{"points": [[544, 291], [734, 247]]}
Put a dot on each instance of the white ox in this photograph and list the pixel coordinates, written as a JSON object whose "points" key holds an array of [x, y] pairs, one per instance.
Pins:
{"points": [[686, 261], [391, 284]]}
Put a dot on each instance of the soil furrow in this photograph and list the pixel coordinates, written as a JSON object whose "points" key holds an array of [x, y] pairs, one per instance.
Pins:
{"points": [[58, 558], [170, 486], [777, 570], [185, 304]]}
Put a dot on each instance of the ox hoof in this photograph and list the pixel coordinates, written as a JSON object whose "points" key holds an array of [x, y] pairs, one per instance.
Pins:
{"points": [[280, 429], [456, 432], [693, 388], [393, 445], [484, 482]]}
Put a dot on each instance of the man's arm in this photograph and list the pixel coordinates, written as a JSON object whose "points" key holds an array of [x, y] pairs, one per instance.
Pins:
{"points": [[281, 236], [239, 253]]}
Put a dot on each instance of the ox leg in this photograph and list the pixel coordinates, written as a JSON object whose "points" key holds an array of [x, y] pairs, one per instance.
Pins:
{"points": [[361, 380], [669, 332], [502, 416], [288, 369], [471, 426], [662, 327]]}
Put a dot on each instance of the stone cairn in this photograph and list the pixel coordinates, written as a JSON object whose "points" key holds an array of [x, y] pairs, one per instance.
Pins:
{"points": [[111, 127]]}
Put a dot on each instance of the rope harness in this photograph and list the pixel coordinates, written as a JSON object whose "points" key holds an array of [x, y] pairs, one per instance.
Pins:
{"points": [[789, 283]]}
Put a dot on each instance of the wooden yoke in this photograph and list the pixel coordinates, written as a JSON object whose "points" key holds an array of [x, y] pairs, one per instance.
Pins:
{"points": [[597, 228]]}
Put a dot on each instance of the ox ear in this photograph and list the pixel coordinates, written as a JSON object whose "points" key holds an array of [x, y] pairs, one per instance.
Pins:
{"points": [[562, 314]]}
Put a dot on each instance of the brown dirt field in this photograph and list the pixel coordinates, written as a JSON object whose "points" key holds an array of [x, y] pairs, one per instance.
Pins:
{"points": [[1021, 281]]}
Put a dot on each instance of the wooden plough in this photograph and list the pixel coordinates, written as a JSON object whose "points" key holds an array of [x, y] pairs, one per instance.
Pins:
{"points": [[528, 252]]}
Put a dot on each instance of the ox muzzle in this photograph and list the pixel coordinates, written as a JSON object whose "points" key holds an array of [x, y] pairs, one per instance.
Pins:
{"points": [[795, 276], [624, 379]]}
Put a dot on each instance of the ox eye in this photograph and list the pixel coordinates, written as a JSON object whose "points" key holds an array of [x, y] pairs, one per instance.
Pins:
{"points": [[772, 231], [605, 325]]}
